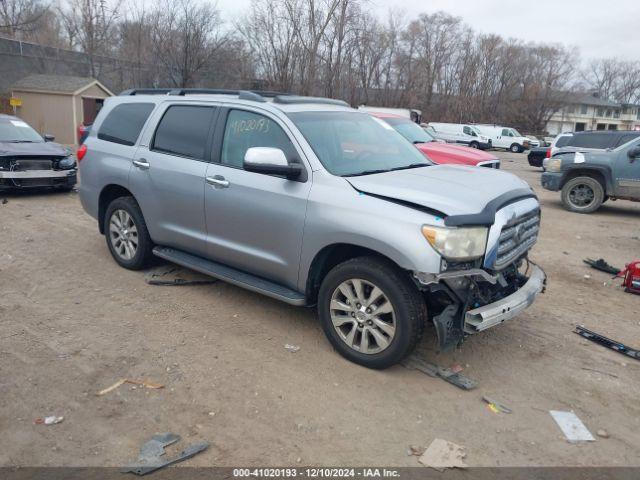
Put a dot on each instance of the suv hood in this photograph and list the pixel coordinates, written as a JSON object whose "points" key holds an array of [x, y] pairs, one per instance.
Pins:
{"points": [[40, 149], [454, 154], [452, 190]]}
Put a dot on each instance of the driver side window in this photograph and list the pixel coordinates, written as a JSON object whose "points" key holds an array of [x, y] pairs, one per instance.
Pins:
{"points": [[245, 130]]}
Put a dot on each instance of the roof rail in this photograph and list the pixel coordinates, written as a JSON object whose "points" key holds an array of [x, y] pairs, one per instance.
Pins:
{"points": [[255, 95], [293, 99]]}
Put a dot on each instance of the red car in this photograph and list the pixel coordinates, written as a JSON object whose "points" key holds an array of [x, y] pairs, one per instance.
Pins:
{"points": [[437, 151]]}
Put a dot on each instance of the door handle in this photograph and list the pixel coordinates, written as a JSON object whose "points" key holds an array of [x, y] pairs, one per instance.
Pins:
{"points": [[218, 181], [142, 164]]}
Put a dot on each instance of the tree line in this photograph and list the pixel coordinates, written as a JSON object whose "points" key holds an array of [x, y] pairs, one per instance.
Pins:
{"points": [[335, 48]]}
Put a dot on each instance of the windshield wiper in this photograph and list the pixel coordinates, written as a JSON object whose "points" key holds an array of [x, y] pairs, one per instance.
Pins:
{"points": [[413, 165], [366, 172]]}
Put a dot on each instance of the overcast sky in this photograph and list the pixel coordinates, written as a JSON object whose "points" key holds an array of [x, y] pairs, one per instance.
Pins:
{"points": [[600, 28]]}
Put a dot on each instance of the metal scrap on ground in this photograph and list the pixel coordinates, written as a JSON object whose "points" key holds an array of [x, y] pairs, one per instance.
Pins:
{"points": [[142, 383], [176, 275], [151, 456], [414, 362], [572, 427], [496, 407], [442, 454], [607, 342], [601, 265]]}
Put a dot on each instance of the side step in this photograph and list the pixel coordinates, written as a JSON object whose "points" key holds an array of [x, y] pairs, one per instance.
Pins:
{"points": [[231, 275]]}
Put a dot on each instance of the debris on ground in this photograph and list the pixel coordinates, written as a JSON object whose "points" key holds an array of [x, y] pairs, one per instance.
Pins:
{"points": [[602, 433], [496, 407], [51, 420], [415, 451], [151, 456], [4, 201], [122, 381], [292, 348], [601, 265], [456, 368], [442, 454], [607, 342], [176, 275], [631, 277], [416, 363], [572, 427]]}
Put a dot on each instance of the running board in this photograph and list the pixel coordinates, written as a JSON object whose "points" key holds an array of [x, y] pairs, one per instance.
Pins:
{"points": [[231, 275]]}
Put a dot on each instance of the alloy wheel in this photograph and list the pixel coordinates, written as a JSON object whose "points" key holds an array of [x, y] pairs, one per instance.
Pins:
{"points": [[363, 316], [123, 234]]}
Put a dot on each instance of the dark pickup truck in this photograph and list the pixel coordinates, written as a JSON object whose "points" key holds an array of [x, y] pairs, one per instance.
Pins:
{"points": [[589, 178]]}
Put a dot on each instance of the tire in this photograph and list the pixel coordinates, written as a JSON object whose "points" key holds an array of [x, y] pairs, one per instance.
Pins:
{"points": [[402, 326], [123, 252], [475, 145], [515, 148], [582, 195]]}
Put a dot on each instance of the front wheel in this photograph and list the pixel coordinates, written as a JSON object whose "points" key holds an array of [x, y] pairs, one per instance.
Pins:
{"points": [[515, 148], [475, 145], [582, 195], [371, 312]]}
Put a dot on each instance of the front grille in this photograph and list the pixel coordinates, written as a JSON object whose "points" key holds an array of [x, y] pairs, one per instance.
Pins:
{"points": [[516, 238], [32, 164]]}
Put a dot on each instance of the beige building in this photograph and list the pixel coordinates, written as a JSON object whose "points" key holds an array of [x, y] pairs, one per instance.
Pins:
{"points": [[588, 112], [57, 104]]}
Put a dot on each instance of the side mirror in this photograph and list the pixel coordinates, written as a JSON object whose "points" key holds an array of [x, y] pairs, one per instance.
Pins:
{"points": [[48, 138], [634, 153], [271, 161]]}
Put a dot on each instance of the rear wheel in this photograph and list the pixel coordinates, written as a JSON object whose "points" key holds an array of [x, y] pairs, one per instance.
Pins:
{"points": [[582, 195], [126, 234], [515, 148], [371, 312], [474, 145]]}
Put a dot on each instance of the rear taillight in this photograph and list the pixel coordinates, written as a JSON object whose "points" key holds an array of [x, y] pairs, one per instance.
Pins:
{"points": [[82, 151], [548, 155]]}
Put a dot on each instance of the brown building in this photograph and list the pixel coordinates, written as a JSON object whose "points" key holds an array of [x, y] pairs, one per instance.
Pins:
{"points": [[57, 104]]}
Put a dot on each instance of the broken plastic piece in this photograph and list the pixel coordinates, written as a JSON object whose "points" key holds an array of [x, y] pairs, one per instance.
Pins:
{"points": [[602, 265], [51, 420], [151, 456], [442, 454], [572, 427], [416, 363], [142, 383]]}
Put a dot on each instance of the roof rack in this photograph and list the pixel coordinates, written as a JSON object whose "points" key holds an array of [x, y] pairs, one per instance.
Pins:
{"points": [[255, 95], [293, 99]]}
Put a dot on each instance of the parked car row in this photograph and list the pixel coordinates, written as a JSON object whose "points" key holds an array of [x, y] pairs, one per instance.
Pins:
{"points": [[482, 136]]}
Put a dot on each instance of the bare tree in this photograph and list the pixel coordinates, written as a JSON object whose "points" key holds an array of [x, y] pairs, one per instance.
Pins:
{"points": [[186, 35], [19, 17]]}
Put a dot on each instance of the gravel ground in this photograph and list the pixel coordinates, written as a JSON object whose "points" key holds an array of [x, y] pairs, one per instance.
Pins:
{"points": [[72, 323]]}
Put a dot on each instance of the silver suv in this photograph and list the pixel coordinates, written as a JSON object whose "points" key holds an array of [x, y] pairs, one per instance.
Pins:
{"points": [[313, 203]]}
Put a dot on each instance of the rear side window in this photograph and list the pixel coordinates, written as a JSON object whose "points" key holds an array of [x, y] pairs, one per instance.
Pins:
{"points": [[184, 131], [593, 140], [124, 123]]}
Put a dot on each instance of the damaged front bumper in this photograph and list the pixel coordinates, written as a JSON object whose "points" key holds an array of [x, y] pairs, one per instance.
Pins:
{"points": [[470, 301], [38, 178], [481, 318]]}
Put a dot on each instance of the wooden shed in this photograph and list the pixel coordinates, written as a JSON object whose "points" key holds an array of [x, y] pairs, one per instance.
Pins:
{"points": [[57, 104]]}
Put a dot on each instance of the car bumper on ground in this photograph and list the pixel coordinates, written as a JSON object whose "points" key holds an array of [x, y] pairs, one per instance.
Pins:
{"points": [[487, 316], [551, 181], [38, 178]]}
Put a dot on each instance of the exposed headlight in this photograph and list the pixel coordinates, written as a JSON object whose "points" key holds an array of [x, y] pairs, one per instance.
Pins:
{"points": [[465, 243], [553, 164], [67, 162]]}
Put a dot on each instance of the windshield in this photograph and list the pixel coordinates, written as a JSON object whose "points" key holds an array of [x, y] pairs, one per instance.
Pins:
{"points": [[16, 131], [353, 143], [409, 130], [515, 132]]}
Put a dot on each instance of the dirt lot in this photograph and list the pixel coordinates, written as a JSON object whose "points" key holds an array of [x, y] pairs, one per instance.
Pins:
{"points": [[72, 323]]}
